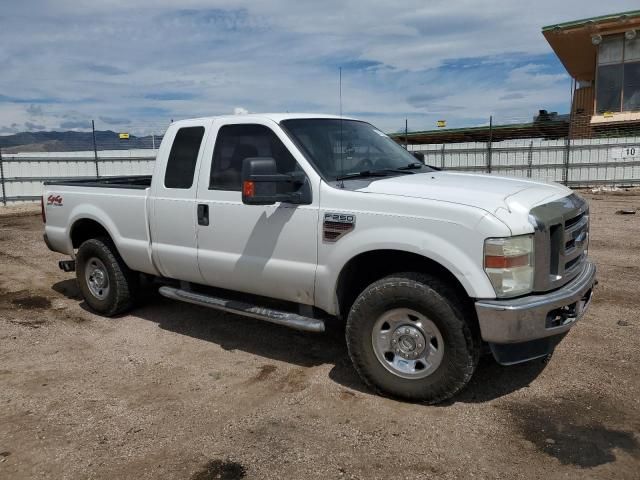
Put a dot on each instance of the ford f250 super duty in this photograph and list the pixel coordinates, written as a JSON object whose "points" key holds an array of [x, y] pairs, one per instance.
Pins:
{"points": [[295, 219]]}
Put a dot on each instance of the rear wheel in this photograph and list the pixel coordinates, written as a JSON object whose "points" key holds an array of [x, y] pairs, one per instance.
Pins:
{"points": [[408, 337], [107, 284]]}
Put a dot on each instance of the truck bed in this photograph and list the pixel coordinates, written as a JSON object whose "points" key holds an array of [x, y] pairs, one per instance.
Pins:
{"points": [[139, 182], [117, 204]]}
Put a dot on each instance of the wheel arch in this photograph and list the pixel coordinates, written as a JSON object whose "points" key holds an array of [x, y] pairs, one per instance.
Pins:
{"points": [[86, 228], [367, 267]]}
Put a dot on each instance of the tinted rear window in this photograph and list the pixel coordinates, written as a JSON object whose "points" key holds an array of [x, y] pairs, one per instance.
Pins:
{"points": [[181, 165]]}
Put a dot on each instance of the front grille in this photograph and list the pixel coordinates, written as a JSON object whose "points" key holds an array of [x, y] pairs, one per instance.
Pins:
{"points": [[561, 236], [576, 231]]}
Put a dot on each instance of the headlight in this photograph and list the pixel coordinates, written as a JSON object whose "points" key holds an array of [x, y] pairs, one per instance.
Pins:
{"points": [[509, 264]]}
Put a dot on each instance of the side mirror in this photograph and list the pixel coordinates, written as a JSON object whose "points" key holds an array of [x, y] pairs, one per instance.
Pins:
{"points": [[260, 181]]}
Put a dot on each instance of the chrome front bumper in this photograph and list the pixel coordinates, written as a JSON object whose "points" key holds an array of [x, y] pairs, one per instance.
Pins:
{"points": [[534, 317]]}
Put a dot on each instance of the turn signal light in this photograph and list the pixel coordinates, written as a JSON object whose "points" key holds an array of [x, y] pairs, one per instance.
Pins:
{"points": [[248, 188], [491, 261]]}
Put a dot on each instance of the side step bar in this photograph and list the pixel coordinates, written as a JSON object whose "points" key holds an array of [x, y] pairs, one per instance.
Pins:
{"points": [[292, 320]]}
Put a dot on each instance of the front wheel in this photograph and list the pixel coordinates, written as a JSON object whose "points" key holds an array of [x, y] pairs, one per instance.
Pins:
{"points": [[107, 284], [408, 337]]}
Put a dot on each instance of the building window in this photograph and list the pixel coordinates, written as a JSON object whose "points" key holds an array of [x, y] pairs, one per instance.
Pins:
{"points": [[618, 77]]}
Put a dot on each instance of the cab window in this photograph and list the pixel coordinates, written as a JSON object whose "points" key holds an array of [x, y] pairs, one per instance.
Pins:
{"points": [[237, 142], [183, 157]]}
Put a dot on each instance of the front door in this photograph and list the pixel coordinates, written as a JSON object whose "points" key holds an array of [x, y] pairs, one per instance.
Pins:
{"points": [[268, 250]]}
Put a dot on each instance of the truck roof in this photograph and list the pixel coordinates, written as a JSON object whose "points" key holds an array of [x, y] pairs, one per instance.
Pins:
{"points": [[276, 117]]}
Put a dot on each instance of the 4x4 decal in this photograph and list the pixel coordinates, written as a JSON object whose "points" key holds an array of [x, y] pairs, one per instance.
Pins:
{"points": [[54, 200]]}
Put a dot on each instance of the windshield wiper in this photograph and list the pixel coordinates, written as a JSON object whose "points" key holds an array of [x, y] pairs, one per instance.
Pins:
{"points": [[382, 172], [417, 165], [364, 173], [411, 166]]}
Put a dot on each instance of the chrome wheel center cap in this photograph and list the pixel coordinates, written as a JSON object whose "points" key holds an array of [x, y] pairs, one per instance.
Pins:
{"points": [[98, 277], [408, 342]]}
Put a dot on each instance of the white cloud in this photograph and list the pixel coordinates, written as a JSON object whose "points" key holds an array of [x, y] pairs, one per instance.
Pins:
{"points": [[151, 61]]}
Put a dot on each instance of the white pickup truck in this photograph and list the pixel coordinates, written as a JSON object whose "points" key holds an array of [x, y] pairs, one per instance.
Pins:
{"points": [[295, 218]]}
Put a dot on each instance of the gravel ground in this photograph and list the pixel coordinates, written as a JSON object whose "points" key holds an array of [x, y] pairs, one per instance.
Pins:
{"points": [[20, 209], [175, 391]]}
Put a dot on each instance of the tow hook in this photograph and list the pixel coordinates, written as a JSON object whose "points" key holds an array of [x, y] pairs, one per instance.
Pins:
{"points": [[67, 265]]}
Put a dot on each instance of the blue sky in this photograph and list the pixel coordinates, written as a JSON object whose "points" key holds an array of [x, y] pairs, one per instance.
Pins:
{"points": [[135, 65]]}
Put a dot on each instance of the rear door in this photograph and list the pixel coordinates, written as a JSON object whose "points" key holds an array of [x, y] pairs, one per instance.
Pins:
{"points": [[268, 250], [173, 205]]}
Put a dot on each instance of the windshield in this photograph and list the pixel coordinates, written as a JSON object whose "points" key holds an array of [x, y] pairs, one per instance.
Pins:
{"points": [[343, 148]]}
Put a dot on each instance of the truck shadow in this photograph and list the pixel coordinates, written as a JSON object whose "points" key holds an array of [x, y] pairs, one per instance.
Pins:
{"points": [[234, 332]]}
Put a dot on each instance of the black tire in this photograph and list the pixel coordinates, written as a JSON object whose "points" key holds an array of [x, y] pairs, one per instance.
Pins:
{"points": [[436, 301], [122, 282]]}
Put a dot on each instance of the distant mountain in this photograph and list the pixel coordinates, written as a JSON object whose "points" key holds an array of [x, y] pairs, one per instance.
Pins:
{"points": [[72, 141]]}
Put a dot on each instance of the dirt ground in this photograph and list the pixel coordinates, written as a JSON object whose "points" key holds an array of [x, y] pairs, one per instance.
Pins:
{"points": [[174, 391]]}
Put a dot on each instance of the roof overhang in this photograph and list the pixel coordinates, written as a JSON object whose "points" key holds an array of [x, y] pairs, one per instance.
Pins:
{"points": [[571, 41], [496, 133]]}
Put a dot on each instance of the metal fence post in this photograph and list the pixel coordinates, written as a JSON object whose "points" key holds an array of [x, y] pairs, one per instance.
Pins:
{"points": [[530, 159], [565, 169], [442, 157], [4, 194], [406, 134], [95, 147], [489, 144]]}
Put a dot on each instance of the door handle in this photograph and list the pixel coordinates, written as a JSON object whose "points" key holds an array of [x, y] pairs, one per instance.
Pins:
{"points": [[203, 214]]}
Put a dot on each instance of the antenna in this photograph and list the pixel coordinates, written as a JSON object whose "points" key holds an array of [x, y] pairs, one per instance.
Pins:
{"points": [[340, 86], [341, 148]]}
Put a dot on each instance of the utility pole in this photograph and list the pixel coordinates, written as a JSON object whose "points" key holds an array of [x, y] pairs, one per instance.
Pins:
{"points": [[95, 147]]}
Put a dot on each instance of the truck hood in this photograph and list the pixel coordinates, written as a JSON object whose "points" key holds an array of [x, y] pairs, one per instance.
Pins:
{"points": [[508, 198]]}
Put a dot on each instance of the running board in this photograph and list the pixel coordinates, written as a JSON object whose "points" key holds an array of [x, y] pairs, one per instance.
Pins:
{"points": [[279, 317]]}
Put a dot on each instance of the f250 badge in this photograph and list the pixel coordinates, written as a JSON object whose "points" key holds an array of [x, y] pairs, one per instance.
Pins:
{"points": [[54, 201], [336, 225], [339, 217]]}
